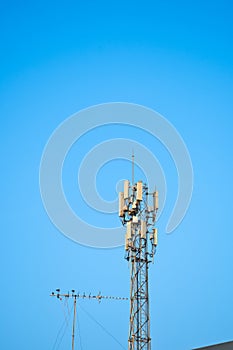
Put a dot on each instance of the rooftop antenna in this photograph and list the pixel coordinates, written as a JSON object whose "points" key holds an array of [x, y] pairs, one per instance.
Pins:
{"points": [[76, 296]]}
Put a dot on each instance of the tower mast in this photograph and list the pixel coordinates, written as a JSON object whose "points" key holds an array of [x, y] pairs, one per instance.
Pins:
{"points": [[137, 210]]}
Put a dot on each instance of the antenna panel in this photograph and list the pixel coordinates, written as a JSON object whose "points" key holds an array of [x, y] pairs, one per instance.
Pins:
{"points": [[143, 229], [121, 204], [126, 189], [126, 243], [155, 232], [156, 200], [139, 190], [128, 230]]}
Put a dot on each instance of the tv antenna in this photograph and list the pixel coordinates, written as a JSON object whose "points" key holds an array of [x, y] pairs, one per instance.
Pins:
{"points": [[73, 295]]}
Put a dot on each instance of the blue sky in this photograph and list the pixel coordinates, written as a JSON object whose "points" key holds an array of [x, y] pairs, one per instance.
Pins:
{"points": [[57, 58]]}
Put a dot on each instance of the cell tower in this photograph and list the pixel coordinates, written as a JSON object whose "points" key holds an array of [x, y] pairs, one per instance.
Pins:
{"points": [[137, 210]]}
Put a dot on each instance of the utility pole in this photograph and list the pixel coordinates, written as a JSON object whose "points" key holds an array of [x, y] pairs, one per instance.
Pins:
{"points": [[137, 210]]}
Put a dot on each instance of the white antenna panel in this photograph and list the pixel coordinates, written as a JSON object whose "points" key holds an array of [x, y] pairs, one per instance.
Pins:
{"points": [[126, 243], [128, 230], [155, 232], [121, 204], [126, 189], [156, 200], [143, 229], [139, 190]]}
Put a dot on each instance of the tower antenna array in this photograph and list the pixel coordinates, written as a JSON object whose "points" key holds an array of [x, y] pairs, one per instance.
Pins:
{"points": [[137, 210]]}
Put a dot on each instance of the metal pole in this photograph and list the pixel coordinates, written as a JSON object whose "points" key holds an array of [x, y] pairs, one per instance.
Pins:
{"points": [[74, 322]]}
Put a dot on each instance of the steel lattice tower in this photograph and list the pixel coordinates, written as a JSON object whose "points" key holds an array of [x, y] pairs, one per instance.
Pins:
{"points": [[137, 210]]}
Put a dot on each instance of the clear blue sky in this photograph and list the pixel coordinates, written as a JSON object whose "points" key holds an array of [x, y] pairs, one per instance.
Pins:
{"points": [[173, 56]]}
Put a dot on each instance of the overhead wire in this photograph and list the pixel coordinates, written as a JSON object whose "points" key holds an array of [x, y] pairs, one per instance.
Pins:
{"points": [[64, 331], [103, 328], [66, 310], [79, 331], [65, 324]]}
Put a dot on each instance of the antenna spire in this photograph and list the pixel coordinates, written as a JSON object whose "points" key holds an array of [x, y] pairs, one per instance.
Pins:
{"points": [[132, 167]]}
